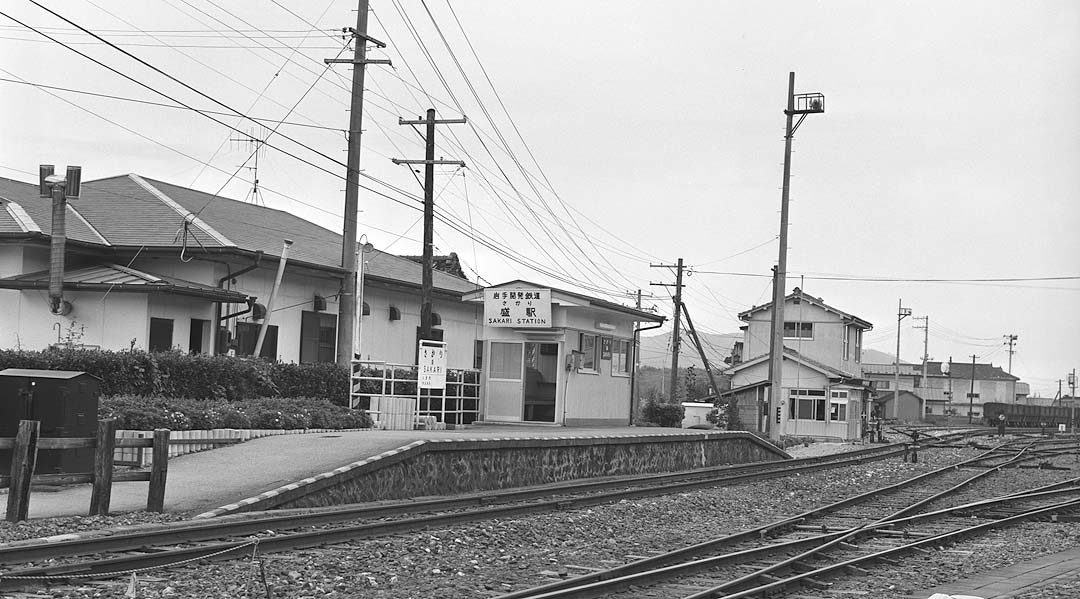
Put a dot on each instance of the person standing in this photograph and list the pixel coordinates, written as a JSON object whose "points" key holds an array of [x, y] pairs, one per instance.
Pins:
{"points": [[1001, 424]]}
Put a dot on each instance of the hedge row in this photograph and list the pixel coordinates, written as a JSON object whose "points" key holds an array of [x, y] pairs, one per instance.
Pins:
{"points": [[198, 376], [147, 413]]}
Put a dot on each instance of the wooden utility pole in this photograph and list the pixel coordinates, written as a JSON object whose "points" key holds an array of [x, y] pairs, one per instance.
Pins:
{"points": [[1010, 340], [347, 309], [429, 163], [701, 352], [804, 104], [675, 339], [971, 393], [901, 313], [925, 344]]}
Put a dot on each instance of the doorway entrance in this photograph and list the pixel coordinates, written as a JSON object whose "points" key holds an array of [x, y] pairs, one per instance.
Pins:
{"points": [[541, 375]]}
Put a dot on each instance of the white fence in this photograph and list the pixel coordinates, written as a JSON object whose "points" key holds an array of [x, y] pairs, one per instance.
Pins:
{"points": [[389, 393]]}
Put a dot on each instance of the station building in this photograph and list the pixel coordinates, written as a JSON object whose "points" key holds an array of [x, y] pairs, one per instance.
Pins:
{"points": [[823, 393], [153, 266]]}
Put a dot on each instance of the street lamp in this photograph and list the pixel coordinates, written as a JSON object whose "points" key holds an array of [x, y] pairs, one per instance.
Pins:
{"points": [[802, 105]]}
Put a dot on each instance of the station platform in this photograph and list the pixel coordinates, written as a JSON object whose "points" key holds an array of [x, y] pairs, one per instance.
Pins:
{"points": [[1052, 576], [209, 479]]}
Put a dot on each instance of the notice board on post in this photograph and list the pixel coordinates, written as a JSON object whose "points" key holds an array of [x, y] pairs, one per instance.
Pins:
{"points": [[431, 365]]}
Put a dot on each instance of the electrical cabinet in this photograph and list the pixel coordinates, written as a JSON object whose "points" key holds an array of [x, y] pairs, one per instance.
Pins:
{"points": [[65, 402]]}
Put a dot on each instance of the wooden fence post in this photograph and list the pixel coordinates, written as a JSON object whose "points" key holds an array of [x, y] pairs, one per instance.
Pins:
{"points": [[159, 468], [103, 467], [23, 460]]}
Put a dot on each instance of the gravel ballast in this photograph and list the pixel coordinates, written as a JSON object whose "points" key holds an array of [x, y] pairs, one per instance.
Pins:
{"points": [[490, 558]]}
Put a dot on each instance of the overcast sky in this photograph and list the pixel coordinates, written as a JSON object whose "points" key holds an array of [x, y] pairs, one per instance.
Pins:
{"points": [[607, 136]]}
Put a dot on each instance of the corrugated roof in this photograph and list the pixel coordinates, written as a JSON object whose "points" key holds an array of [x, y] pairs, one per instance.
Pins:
{"points": [[116, 278]]}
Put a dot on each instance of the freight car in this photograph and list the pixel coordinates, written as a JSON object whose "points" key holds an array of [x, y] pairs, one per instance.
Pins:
{"points": [[1025, 416]]}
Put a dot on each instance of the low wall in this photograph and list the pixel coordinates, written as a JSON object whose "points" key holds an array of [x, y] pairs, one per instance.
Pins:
{"points": [[184, 442], [449, 467]]}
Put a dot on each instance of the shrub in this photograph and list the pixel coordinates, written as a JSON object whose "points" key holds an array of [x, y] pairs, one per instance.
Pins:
{"points": [[147, 413], [325, 380], [663, 414]]}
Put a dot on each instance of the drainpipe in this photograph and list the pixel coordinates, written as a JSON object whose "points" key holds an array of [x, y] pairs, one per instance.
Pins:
{"points": [[633, 371], [273, 293], [216, 323]]}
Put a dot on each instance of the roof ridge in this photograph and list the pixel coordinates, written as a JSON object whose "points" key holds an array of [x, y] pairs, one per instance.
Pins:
{"points": [[188, 216], [22, 218]]}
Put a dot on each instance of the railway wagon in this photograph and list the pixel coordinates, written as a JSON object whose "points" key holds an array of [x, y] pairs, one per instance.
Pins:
{"points": [[1026, 416]]}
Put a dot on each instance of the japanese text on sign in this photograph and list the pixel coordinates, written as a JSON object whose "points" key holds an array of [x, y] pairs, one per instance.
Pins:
{"points": [[431, 366], [520, 308]]}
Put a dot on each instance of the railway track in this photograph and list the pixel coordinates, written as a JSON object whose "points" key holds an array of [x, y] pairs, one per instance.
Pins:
{"points": [[232, 537], [841, 537]]}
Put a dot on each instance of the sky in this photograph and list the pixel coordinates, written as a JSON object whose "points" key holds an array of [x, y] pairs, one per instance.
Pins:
{"points": [[604, 138]]}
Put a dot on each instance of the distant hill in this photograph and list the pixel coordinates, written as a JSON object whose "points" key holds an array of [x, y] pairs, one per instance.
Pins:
{"points": [[873, 356], [656, 350]]}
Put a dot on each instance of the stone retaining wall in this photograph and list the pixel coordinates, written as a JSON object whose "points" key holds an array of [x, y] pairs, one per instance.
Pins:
{"points": [[448, 467]]}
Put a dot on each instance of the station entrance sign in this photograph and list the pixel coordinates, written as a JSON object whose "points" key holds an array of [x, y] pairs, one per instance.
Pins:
{"points": [[518, 308]]}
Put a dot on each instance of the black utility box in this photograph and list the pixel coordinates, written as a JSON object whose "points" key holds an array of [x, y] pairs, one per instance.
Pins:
{"points": [[65, 402]]}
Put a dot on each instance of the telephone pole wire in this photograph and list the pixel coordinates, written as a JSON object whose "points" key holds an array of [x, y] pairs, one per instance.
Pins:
{"points": [[429, 163], [675, 331], [347, 312], [1010, 340]]}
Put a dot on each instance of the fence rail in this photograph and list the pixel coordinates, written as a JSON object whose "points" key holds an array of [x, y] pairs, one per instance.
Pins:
{"points": [[380, 388]]}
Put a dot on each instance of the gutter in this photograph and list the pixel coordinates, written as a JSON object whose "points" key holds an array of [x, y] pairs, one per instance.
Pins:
{"points": [[215, 324], [633, 371]]}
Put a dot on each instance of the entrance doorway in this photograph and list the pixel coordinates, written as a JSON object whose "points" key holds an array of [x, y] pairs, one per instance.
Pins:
{"points": [[541, 374]]}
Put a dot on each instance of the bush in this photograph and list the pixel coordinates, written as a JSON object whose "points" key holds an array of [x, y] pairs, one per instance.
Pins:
{"points": [[663, 414], [199, 376], [148, 413]]}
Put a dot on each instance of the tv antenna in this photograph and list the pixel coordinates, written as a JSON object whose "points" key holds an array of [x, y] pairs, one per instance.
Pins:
{"points": [[253, 144]]}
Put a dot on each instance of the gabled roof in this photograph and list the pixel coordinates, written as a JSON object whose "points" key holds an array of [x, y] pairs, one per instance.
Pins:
{"points": [[799, 295], [585, 300], [962, 370], [116, 278], [130, 211], [797, 357]]}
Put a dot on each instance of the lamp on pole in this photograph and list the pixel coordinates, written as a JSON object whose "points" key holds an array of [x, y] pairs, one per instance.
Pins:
{"points": [[802, 105]]}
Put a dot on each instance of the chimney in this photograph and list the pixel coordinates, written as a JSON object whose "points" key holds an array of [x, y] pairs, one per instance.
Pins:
{"points": [[59, 189]]}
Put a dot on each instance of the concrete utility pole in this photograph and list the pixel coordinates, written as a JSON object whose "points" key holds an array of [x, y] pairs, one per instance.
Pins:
{"points": [[429, 163], [675, 339], [901, 313], [925, 344], [971, 394], [347, 311], [1010, 340], [802, 105]]}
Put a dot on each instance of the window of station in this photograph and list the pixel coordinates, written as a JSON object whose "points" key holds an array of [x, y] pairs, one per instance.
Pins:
{"points": [[590, 345], [620, 357], [247, 335], [505, 361], [838, 402], [807, 404], [798, 330]]}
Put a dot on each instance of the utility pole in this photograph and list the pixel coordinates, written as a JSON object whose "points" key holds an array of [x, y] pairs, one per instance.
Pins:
{"points": [[1010, 340], [802, 105], [971, 394], [901, 313], [701, 352], [1072, 399], [925, 344], [429, 163], [347, 312], [675, 331]]}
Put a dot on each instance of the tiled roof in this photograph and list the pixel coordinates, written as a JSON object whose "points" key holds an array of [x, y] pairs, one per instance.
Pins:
{"points": [[116, 278], [134, 211], [962, 370], [29, 205]]}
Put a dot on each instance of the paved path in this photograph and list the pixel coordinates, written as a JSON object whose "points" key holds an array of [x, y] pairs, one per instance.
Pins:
{"points": [[1005, 583], [209, 479]]}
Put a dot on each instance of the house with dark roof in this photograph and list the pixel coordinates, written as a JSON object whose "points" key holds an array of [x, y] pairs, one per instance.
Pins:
{"points": [[941, 391], [155, 266], [823, 393]]}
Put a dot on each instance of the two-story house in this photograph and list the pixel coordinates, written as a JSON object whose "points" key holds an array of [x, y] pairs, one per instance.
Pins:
{"points": [[823, 392]]}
